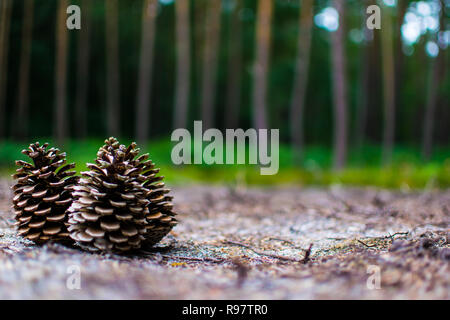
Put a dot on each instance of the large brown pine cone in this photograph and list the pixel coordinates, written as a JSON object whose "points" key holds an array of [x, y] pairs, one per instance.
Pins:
{"points": [[42, 194], [120, 204]]}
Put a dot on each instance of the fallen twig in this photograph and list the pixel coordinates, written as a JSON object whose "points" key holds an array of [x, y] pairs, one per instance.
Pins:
{"points": [[261, 253], [396, 234], [385, 237], [365, 244], [205, 259], [307, 254]]}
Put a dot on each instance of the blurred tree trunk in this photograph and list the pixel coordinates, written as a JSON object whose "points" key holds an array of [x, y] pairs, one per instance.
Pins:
{"points": [[364, 78], [83, 71], [112, 68], [437, 71], [441, 127], [233, 96], [212, 39], [301, 77], [21, 127], [420, 86], [339, 76], [5, 22], [183, 76], [387, 54], [149, 13], [61, 72], [263, 30], [199, 33], [374, 92], [401, 11]]}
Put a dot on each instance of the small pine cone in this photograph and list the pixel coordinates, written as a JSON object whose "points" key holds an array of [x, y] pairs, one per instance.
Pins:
{"points": [[42, 194], [120, 204]]}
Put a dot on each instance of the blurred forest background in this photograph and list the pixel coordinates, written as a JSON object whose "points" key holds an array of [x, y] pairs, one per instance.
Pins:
{"points": [[353, 105]]}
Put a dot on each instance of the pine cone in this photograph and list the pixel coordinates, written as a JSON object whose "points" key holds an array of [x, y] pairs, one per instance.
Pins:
{"points": [[120, 204], [43, 194]]}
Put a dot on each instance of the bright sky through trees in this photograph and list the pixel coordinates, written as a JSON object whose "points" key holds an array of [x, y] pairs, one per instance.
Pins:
{"points": [[422, 17], [328, 19]]}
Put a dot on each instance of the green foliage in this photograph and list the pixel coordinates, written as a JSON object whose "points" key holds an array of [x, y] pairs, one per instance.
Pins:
{"points": [[407, 170]]}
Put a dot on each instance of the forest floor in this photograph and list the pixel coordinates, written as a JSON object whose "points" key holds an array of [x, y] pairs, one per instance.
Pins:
{"points": [[252, 243]]}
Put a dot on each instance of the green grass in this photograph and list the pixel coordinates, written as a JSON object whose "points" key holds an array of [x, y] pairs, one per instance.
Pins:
{"points": [[407, 169]]}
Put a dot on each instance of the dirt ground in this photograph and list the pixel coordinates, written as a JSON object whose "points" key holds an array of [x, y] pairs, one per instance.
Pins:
{"points": [[252, 243]]}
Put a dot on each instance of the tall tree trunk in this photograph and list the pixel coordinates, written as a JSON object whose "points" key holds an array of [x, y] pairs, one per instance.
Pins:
{"points": [[5, 22], [212, 37], [301, 76], [112, 68], [387, 54], [402, 6], [61, 72], [363, 85], [183, 64], [233, 95], [441, 127], [198, 28], [420, 86], [263, 30], [83, 71], [339, 76], [361, 115], [374, 91], [145, 70], [437, 71], [21, 127]]}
